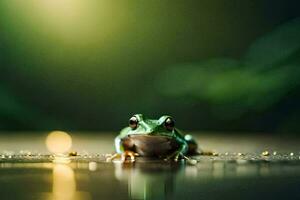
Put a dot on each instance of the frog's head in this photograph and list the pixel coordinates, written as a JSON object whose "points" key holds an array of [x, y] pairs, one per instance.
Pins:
{"points": [[139, 125]]}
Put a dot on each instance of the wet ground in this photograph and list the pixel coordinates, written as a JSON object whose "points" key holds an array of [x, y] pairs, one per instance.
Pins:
{"points": [[238, 171]]}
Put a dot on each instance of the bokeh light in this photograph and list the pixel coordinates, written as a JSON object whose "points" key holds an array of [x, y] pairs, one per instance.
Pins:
{"points": [[58, 142]]}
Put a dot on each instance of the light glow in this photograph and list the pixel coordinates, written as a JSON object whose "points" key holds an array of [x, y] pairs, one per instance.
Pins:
{"points": [[59, 142], [64, 185]]}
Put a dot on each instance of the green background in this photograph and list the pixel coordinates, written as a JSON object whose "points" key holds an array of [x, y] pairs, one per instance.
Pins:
{"points": [[89, 65]]}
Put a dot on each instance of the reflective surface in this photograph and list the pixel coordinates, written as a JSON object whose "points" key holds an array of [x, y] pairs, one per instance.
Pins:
{"points": [[27, 175], [208, 180]]}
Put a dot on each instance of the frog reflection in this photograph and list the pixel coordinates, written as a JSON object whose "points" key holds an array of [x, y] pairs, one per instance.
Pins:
{"points": [[148, 179]]}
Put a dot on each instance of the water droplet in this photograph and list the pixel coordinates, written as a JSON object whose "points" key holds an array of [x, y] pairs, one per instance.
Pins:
{"points": [[215, 153], [73, 153], [265, 153], [192, 161]]}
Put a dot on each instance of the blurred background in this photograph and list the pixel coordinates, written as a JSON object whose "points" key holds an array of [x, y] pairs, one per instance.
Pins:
{"points": [[214, 65]]}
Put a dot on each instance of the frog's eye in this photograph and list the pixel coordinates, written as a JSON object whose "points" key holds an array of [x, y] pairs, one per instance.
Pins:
{"points": [[169, 124], [133, 122]]}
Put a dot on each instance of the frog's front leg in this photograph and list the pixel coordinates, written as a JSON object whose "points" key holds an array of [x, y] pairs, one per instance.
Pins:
{"points": [[181, 151], [121, 153]]}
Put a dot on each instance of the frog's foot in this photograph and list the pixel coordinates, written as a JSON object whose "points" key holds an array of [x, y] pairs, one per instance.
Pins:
{"points": [[123, 157], [175, 156]]}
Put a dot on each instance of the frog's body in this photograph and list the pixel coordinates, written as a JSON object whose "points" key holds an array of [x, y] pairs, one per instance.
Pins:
{"points": [[155, 138]]}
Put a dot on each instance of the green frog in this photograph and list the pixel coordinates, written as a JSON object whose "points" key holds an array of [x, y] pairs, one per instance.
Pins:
{"points": [[153, 138]]}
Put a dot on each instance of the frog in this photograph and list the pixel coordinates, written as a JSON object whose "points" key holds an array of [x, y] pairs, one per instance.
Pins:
{"points": [[157, 138]]}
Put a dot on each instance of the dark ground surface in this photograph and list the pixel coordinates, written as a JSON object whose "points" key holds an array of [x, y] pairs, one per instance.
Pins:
{"points": [[238, 172]]}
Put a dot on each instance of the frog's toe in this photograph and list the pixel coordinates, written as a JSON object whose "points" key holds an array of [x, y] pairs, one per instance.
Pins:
{"points": [[123, 157], [190, 160], [128, 154], [110, 157], [173, 157], [176, 156]]}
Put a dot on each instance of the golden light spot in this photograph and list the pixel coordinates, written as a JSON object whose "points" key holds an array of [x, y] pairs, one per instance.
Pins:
{"points": [[58, 142]]}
